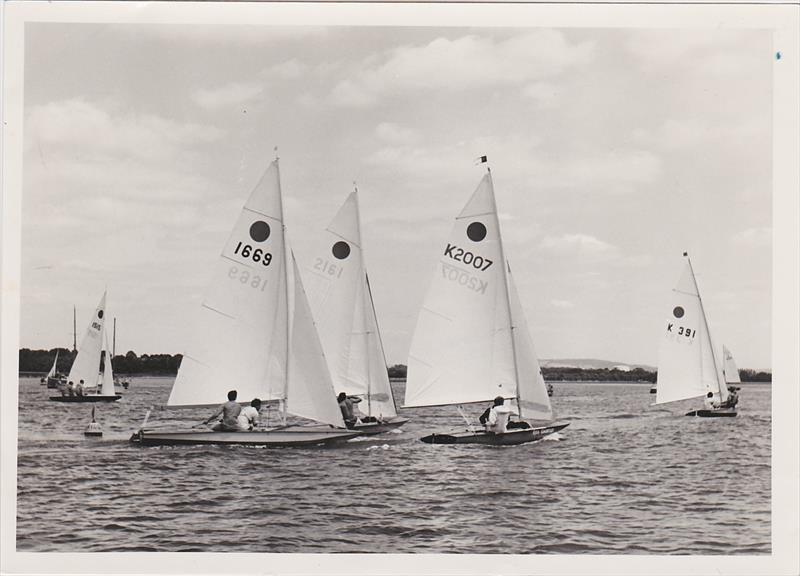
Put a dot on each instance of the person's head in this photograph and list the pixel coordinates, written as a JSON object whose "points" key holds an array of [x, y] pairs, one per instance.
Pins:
{"points": [[256, 403], [71, 383], [498, 401], [710, 395], [81, 381], [232, 395], [341, 397]]}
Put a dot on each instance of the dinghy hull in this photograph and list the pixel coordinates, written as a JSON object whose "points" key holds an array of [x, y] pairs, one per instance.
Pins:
{"points": [[89, 398], [510, 438], [55, 382], [712, 413], [371, 428], [271, 438]]}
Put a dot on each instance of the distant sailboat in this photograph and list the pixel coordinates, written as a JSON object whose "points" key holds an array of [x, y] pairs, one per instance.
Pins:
{"points": [[252, 340], [729, 368], [687, 365], [341, 299], [53, 378], [86, 366], [472, 342]]}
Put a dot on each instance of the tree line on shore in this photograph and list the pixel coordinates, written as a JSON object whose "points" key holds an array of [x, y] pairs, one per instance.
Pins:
{"points": [[40, 361]]}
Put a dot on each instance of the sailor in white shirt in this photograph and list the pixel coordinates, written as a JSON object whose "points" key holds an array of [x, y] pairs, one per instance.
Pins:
{"points": [[248, 417], [710, 402]]}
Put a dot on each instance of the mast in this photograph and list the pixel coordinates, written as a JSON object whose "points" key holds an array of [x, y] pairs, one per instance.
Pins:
{"points": [[708, 331], [286, 295], [74, 332], [363, 280], [114, 339], [507, 295]]}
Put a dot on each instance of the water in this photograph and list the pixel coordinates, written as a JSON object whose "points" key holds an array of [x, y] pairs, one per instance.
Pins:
{"points": [[624, 477]]}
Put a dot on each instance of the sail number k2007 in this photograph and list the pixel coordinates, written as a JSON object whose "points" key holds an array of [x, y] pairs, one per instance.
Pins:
{"points": [[256, 255], [467, 257], [680, 330]]}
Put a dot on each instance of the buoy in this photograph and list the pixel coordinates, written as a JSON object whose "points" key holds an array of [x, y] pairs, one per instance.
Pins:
{"points": [[93, 429]]}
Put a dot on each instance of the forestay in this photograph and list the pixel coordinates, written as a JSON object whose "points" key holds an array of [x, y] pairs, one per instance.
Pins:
{"points": [[241, 336], [87, 363], [462, 349], [342, 304], [687, 366]]}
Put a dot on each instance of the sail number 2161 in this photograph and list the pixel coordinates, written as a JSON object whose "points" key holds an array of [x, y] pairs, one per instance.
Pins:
{"points": [[256, 255]]}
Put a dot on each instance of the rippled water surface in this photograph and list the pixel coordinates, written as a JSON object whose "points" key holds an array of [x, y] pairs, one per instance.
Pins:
{"points": [[624, 477]]}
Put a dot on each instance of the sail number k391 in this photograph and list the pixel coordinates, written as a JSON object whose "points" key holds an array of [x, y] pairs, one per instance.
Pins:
{"points": [[467, 257], [680, 330], [256, 255]]}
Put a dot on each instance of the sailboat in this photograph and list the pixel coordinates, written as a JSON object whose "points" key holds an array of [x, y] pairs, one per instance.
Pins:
{"points": [[472, 342], [688, 366], [254, 338], [341, 300], [86, 366], [729, 369], [53, 378]]}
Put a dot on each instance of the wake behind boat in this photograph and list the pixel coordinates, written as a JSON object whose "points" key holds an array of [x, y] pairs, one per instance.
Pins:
{"points": [[472, 342], [341, 300], [87, 364], [250, 338], [688, 366]]}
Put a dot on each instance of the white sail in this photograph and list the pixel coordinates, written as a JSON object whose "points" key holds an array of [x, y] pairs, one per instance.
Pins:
{"points": [[729, 367], [108, 372], [532, 401], [342, 304], [87, 362], [241, 338], [462, 350], [52, 372], [310, 392], [687, 366]]}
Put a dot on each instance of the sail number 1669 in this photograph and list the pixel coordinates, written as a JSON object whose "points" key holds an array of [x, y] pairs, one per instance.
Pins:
{"points": [[256, 255]]}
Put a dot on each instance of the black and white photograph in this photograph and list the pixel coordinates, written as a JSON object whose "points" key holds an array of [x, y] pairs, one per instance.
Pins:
{"points": [[433, 288]]}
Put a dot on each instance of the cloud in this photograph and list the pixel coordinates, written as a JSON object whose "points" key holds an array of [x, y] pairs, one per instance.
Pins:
{"points": [[583, 244], [470, 61], [561, 304], [544, 94], [754, 237], [233, 94], [78, 126], [394, 133]]}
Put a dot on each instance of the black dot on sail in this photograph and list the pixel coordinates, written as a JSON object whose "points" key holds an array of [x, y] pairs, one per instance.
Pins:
{"points": [[677, 312], [259, 231], [341, 250], [476, 231], [99, 313]]}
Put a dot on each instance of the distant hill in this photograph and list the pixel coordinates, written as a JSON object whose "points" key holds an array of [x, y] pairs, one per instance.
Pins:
{"points": [[591, 364]]}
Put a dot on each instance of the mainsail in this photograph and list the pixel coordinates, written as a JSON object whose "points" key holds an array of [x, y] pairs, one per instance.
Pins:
{"points": [[241, 338], [729, 367], [87, 362], [472, 342], [687, 365], [341, 299]]}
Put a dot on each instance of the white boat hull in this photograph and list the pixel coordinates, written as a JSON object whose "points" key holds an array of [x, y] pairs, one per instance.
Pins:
{"points": [[279, 437]]}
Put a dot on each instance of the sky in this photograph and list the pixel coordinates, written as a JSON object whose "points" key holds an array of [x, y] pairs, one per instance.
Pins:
{"points": [[613, 151]]}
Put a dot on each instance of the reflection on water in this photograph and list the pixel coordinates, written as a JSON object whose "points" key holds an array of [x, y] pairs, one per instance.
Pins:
{"points": [[624, 477]]}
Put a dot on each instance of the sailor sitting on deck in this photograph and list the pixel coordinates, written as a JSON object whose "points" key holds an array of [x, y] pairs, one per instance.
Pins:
{"points": [[496, 417], [348, 410], [733, 398], [710, 402], [79, 388], [248, 417], [230, 414]]}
